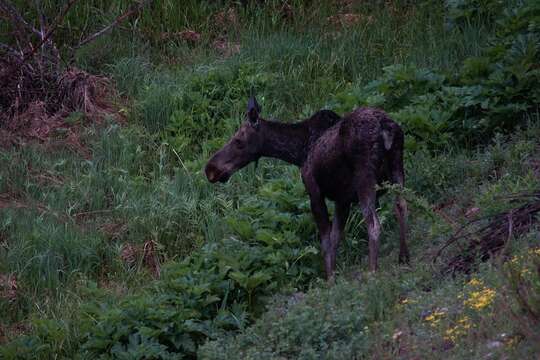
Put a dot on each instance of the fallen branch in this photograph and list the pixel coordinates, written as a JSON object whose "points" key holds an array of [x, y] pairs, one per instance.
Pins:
{"points": [[490, 239], [36, 92], [12, 12], [47, 36], [10, 50], [133, 10]]}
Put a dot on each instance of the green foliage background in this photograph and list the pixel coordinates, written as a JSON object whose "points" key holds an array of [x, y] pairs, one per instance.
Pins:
{"points": [[240, 268]]}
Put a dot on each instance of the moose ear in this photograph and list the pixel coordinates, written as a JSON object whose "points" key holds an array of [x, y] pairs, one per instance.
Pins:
{"points": [[253, 110]]}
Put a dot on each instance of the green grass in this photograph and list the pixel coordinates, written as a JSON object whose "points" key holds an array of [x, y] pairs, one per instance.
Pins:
{"points": [[398, 313], [68, 217], [387, 314]]}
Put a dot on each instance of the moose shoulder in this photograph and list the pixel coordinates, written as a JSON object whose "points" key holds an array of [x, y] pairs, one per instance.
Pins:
{"points": [[342, 159]]}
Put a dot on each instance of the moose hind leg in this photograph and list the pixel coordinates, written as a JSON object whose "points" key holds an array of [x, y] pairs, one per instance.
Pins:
{"points": [[320, 215], [366, 200], [336, 234]]}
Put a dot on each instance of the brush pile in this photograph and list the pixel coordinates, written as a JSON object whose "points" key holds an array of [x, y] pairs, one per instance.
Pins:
{"points": [[37, 91], [34, 104], [485, 237]]}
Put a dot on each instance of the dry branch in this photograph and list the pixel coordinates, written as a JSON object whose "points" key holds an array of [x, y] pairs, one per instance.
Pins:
{"points": [[483, 242], [133, 10], [46, 37], [10, 50], [36, 93], [41, 18], [16, 17]]}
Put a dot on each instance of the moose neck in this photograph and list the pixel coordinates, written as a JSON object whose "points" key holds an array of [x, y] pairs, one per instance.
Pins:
{"points": [[287, 142]]}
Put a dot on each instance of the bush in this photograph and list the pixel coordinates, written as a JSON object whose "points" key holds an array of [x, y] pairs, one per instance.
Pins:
{"points": [[219, 288], [523, 289], [490, 94], [464, 11], [189, 109], [327, 323]]}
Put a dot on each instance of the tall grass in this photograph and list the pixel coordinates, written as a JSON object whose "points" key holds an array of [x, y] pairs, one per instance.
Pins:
{"points": [[69, 217], [304, 60], [60, 207], [143, 186]]}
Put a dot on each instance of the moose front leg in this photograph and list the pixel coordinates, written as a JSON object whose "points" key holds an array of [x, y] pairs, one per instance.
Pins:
{"points": [[398, 177]]}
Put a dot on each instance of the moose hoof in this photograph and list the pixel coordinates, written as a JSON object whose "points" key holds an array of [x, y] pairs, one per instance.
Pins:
{"points": [[404, 259], [372, 268], [331, 280]]}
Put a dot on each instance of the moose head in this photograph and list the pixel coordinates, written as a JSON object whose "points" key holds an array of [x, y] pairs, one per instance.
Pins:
{"points": [[243, 148]]}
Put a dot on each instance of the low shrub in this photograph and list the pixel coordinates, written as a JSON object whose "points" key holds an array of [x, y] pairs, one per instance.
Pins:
{"points": [[331, 323], [188, 109], [491, 93], [218, 288]]}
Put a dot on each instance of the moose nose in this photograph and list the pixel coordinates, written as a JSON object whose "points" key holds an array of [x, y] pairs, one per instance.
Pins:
{"points": [[211, 173]]}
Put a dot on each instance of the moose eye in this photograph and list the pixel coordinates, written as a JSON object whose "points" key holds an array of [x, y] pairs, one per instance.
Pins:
{"points": [[239, 144]]}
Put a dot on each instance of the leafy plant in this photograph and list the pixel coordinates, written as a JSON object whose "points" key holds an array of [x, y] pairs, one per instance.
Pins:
{"points": [[490, 94], [206, 106], [333, 323], [218, 288], [463, 11]]}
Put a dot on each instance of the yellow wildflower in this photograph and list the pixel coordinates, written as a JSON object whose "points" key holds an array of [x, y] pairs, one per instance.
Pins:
{"points": [[435, 317], [451, 334], [475, 282], [465, 322], [407, 301], [512, 341], [480, 299], [460, 329]]}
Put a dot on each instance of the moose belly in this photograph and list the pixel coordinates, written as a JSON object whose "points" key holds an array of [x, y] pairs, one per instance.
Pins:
{"points": [[337, 184]]}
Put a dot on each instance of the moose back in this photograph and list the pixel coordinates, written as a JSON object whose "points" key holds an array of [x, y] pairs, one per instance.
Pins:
{"points": [[342, 159]]}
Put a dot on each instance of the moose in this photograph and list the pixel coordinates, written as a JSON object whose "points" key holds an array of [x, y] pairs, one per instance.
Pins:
{"points": [[342, 159]]}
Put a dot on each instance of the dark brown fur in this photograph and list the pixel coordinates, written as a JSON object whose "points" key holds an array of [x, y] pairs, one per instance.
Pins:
{"points": [[342, 159]]}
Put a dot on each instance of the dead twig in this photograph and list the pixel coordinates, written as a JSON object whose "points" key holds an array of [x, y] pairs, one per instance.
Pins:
{"points": [[47, 36], [94, 212], [12, 12], [36, 93], [493, 237], [133, 10]]}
